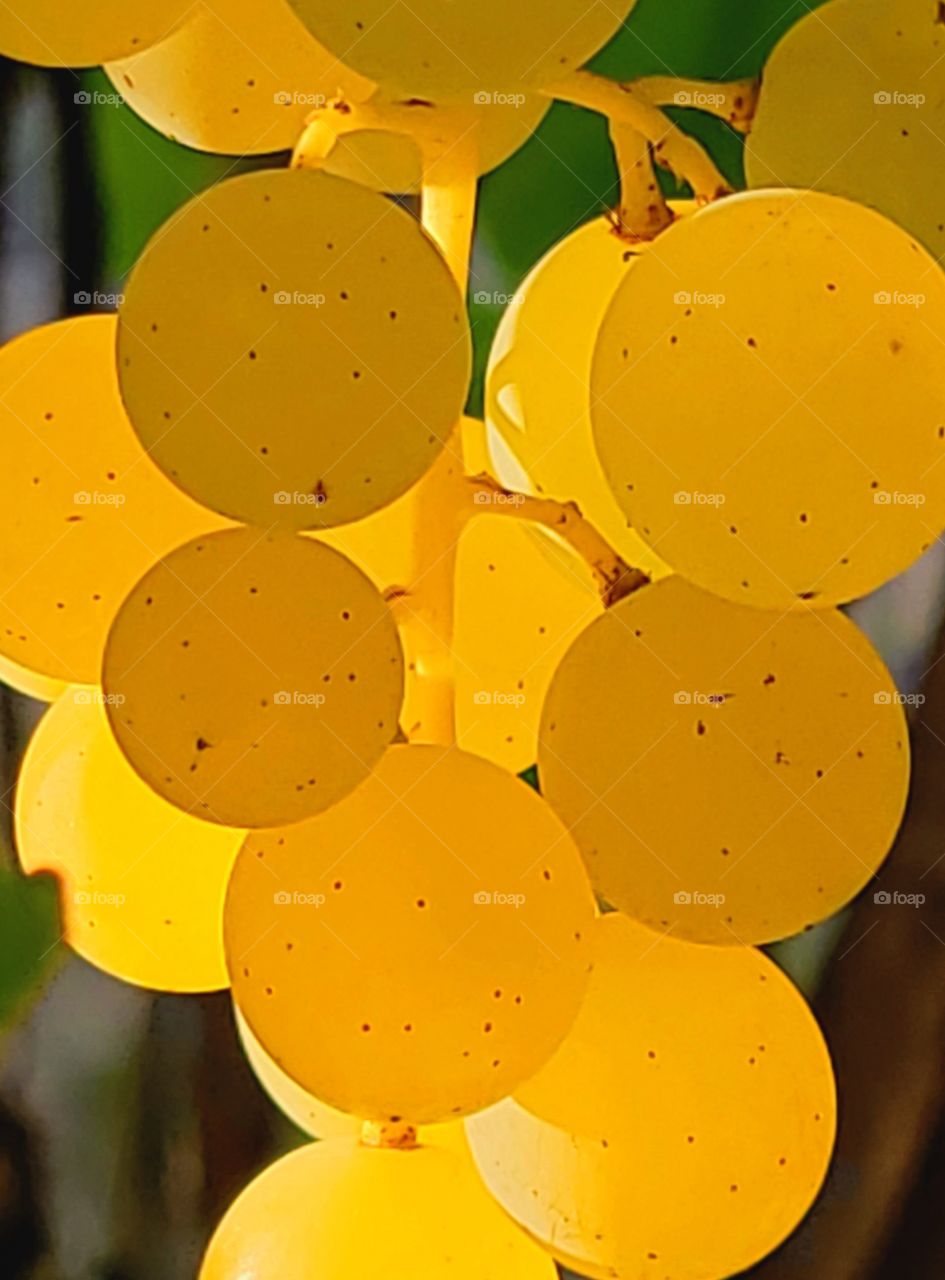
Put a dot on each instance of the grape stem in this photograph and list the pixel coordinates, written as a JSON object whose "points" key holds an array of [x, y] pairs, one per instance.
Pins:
{"points": [[615, 578], [642, 212], [629, 105], [394, 1135], [734, 101]]}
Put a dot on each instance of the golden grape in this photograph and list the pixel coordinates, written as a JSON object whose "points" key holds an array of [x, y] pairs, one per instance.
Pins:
{"points": [[338, 1210], [141, 884], [253, 678], [242, 81], [684, 1126], [538, 374], [293, 349], [63, 33], [482, 52], [435, 921], [768, 460], [851, 104], [732, 774], [86, 511], [34, 685]]}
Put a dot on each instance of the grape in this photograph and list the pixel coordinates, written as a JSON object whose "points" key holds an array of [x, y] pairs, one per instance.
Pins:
{"points": [[253, 678], [62, 33], [241, 82], [337, 1210], [684, 1126], [86, 512], [316, 1118], [538, 373], [729, 773], [772, 461], [34, 685], [391, 161], [435, 921], [464, 51], [141, 884], [293, 349], [850, 105], [503, 671]]}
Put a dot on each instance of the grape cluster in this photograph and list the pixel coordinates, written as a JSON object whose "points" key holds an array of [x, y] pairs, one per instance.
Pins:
{"points": [[297, 647]]}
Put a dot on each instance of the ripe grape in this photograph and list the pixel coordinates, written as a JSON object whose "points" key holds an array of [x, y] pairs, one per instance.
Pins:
{"points": [[435, 921], [684, 1126], [293, 349], [729, 773], [34, 685], [241, 82], [771, 460], [538, 374], [463, 51], [61, 33], [338, 1209], [509, 640], [141, 884], [850, 105], [253, 678], [86, 511]]}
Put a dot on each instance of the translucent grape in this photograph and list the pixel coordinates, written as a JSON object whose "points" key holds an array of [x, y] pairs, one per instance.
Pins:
{"points": [[253, 678], [293, 349], [672, 709], [769, 460], [864, 75], [435, 921], [61, 33], [34, 685], [316, 1118], [464, 52], [86, 511], [684, 1126], [538, 374], [141, 884], [517, 610], [242, 81], [338, 1209]]}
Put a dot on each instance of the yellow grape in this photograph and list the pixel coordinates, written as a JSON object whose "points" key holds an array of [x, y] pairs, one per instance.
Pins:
{"points": [[517, 610], [731, 774], [391, 161], [684, 1126], [34, 685], [316, 1118], [141, 884], [435, 921], [538, 374], [338, 1210], [242, 82], [86, 511], [293, 349], [461, 51], [63, 33], [851, 104], [253, 678], [767, 459]]}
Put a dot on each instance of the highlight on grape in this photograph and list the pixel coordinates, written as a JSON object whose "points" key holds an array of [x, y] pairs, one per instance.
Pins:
{"points": [[479, 758]]}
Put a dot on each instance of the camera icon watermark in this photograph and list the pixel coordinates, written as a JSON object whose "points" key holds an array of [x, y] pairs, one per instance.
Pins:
{"points": [[484, 498], [95, 98], [486, 98], [894, 98], [94, 498], [298, 698], [498, 698], [685, 298], [887, 898], [695, 498], [84, 298], [693, 898], [283, 498], [96, 698], [886, 698], [95, 898], [896, 298], [893, 498], [297, 899], [295, 298], [484, 898], [698, 99], [693, 698], [291, 98]]}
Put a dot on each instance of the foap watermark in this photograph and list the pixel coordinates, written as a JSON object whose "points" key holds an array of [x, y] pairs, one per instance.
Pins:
{"points": [[298, 899], [95, 498], [84, 298], [484, 898], [693, 898], [896, 98], [894, 498], [95, 898], [494, 298], [697, 98], [695, 498], [683, 298], [896, 298], [497, 698], [886, 698], [693, 698], [284, 498], [95, 98], [498, 499], [289, 98], [489, 98], [298, 698], [96, 698], [284, 298], [893, 898]]}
